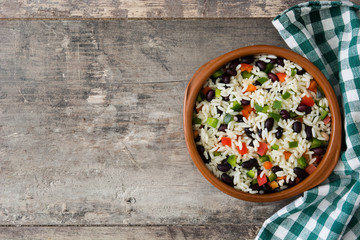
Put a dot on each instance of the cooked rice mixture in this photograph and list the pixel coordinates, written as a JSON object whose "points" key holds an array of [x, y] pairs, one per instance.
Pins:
{"points": [[261, 124]]}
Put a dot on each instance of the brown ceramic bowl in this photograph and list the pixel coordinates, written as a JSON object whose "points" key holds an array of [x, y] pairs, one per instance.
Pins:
{"points": [[331, 156]]}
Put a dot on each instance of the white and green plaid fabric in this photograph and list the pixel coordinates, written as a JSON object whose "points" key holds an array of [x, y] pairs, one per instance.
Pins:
{"points": [[327, 33]]}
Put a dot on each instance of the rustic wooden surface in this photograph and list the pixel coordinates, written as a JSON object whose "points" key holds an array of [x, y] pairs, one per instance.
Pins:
{"points": [[91, 138]]}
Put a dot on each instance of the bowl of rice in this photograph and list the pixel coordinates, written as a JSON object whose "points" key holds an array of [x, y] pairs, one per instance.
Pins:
{"points": [[262, 123]]}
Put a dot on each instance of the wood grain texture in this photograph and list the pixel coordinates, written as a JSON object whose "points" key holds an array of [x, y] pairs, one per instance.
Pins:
{"points": [[144, 9], [91, 127]]}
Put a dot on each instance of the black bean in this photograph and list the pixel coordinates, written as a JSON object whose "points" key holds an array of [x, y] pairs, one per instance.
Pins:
{"points": [[284, 114], [219, 111], [250, 164], [300, 72], [308, 131], [201, 150], [259, 171], [297, 126], [279, 132], [239, 118], [227, 98], [231, 72], [248, 132], [318, 151], [251, 144], [276, 168], [234, 64], [255, 187], [225, 78], [245, 102], [302, 107], [260, 133], [197, 139], [261, 65], [247, 59], [267, 188], [291, 183], [308, 110], [280, 61], [273, 77], [269, 123], [210, 95], [222, 127], [273, 61], [227, 179], [224, 167], [300, 172], [257, 83]]}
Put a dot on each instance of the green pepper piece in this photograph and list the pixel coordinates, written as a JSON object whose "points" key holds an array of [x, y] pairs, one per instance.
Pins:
{"points": [[262, 80], [246, 74], [268, 68], [286, 95], [236, 106], [293, 115], [275, 116], [217, 154], [196, 120], [212, 122], [228, 118], [302, 162], [293, 144], [293, 72], [258, 108], [251, 173], [232, 160], [217, 93], [275, 147], [265, 158], [218, 73], [277, 104], [200, 97], [323, 114], [253, 182], [272, 177], [315, 143]]}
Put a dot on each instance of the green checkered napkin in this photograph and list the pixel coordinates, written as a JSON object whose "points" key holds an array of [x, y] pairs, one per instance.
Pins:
{"points": [[327, 33]]}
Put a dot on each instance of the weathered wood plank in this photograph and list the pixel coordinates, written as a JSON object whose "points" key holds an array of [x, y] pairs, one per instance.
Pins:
{"points": [[144, 8], [218, 231], [90, 122]]}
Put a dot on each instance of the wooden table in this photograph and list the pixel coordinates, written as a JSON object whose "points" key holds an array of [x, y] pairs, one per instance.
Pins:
{"points": [[91, 135]]}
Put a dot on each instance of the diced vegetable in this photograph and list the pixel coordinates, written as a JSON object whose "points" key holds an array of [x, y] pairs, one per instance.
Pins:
{"points": [[205, 90], [313, 86], [261, 180], [265, 158], [228, 118], [200, 97], [277, 104], [262, 148], [293, 72], [308, 101], [236, 106], [293, 144], [302, 162], [258, 108], [243, 150], [281, 76], [275, 116], [232, 160], [281, 178], [265, 109], [267, 165], [275, 147], [218, 73], [226, 141], [293, 114], [246, 67], [323, 114], [262, 80], [196, 120], [287, 155], [272, 177], [253, 182], [217, 154], [327, 120], [212, 122], [251, 173], [217, 93], [315, 143], [268, 68], [273, 184], [246, 111], [196, 133], [246, 74], [286, 95], [310, 169], [251, 88]]}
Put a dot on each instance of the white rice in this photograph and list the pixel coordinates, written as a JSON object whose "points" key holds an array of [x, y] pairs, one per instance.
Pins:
{"points": [[266, 94]]}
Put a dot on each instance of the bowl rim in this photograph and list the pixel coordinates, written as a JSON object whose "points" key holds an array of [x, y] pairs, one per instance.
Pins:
{"points": [[331, 156]]}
